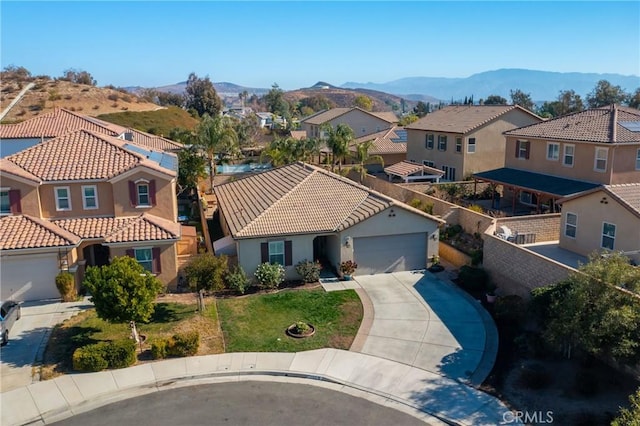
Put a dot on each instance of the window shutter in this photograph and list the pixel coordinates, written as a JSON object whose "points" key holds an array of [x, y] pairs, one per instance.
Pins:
{"points": [[130, 253], [14, 201], [526, 154], [152, 192], [288, 255], [156, 268], [264, 252], [133, 196], [517, 148]]}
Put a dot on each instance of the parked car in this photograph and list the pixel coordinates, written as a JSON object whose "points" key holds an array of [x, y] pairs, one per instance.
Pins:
{"points": [[9, 314]]}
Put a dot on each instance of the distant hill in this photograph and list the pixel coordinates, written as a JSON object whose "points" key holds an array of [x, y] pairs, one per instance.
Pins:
{"points": [[223, 89], [542, 85], [159, 122], [48, 94]]}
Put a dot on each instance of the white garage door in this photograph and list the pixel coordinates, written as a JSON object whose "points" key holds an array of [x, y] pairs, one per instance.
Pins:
{"points": [[29, 277], [390, 253]]}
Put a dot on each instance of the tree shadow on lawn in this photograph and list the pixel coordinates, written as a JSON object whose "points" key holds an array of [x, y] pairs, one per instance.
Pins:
{"points": [[172, 312]]}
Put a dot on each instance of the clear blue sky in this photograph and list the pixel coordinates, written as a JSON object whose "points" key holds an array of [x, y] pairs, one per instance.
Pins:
{"points": [[297, 44]]}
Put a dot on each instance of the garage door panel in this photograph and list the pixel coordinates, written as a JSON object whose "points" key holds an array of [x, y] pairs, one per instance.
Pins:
{"points": [[25, 278], [390, 253]]}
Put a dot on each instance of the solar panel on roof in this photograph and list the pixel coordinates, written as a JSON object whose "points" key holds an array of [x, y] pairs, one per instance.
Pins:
{"points": [[402, 136], [633, 126]]}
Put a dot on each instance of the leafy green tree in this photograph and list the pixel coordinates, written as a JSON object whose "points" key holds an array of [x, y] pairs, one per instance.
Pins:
{"points": [[247, 129], [408, 119], [122, 291], [13, 72], [313, 104], [201, 96], [191, 168], [338, 141], [206, 272], [363, 158], [167, 99], [78, 76], [276, 103], [495, 100], [634, 99], [216, 136], [518, 97], [589, 311], [606, 94], [569, 101], [363, 102], [421, 109], [629, 416], [281, 151]]}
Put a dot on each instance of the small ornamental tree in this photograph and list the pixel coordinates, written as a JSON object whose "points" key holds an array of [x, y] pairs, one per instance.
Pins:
{"points": [[122, 291], [206, 272]]}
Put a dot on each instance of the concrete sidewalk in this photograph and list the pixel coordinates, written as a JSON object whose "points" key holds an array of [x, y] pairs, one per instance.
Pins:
{"points": [[423, 394]]}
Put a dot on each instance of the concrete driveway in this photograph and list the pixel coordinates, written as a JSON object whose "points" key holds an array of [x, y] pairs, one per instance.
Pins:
{"points": [[430, 324], [29, 337]]}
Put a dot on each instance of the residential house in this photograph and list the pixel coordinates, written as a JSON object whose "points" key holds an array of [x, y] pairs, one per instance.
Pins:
{"points": [[464, 139], [20, 136], [603, 218], [361, 122], [79, 200], [570, 154], [297, 212], [389, 144]]}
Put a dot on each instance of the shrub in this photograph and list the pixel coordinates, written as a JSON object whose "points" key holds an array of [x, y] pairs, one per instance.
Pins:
{"points": [[534, 377], [348, 267], [510, 309], [96, 107], [269, 275], [476, 257], [159, 349], [68, 97], [415, 203], [309, 271], [54, 95], [206, 272], [66, 284], [184, 344], [476, 208], [120, 353], [90, 358], [237, 280], [113, 97], [473, 279]]}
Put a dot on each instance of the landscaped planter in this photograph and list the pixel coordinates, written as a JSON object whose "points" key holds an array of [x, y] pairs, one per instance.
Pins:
{"points": [[294, 331]]}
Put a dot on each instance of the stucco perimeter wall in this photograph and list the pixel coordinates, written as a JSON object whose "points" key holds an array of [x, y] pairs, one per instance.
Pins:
{"points": [[546, 226], [516, 270]]}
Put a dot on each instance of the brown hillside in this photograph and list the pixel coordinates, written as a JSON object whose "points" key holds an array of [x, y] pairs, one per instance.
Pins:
{"points": [[344, 98], [49, 94]]}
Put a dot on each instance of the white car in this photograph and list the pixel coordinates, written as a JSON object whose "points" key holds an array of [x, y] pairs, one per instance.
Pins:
{"points": [[9, 314]]}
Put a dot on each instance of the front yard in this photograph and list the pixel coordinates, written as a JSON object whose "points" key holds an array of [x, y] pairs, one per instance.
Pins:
{"points": [[254, 323]]}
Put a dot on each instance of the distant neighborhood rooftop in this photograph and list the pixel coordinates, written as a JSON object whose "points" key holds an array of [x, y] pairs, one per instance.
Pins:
{"points": [[462, 118], [609, 124], [388, 141], [330, 114]]}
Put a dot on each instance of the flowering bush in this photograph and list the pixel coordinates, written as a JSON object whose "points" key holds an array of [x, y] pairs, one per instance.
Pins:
{"points": [[309, 271], [348, 267], [270, 275]]}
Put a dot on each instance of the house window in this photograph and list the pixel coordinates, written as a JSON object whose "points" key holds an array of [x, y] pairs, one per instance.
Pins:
{"points": [[528, 198], [553, 151], [144, 256], [458, 144], [142, 189], [571, 225], [638, 160], [276, 252], [600, 163], [471, 145], [522, 149], [567, 159], [5, 204], [608, 235], [442, 142], [429, 141], [428, 163], [449, 173], [63, 200], [90, 197]]}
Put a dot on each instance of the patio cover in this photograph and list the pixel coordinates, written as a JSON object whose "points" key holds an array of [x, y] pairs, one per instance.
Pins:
{"points": [[404, 169]]}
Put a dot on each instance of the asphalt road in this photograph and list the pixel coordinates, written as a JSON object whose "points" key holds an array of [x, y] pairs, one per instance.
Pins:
{"points": [[244, 403]]}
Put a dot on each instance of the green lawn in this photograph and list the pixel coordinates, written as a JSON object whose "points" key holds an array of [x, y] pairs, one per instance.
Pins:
{"points": [[257, 323]]}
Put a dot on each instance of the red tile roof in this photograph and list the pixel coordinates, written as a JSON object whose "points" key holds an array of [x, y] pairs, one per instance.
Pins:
{"points": [[122, 229], [462, 118], [26, 232], [600, 125]]}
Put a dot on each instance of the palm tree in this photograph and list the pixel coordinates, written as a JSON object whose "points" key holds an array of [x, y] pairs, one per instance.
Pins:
{"points": [[216, 136], [338, 141], [310, 147], [363, 158]]}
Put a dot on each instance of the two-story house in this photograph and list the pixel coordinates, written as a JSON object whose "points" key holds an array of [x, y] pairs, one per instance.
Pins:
{"points": [[19, 136], [464, 139], [361, 122], [568, 155], [79, 200]]}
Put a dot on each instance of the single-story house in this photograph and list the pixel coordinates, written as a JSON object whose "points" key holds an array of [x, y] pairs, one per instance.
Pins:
{"points": [[301, 212]]}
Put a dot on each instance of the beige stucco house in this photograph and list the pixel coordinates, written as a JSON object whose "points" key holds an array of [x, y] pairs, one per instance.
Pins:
{"points": [[20, 136], [389, 144], [78, 200], [604, 218], [302, 212], [464, 139], [361, 122], [570, 154]]}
